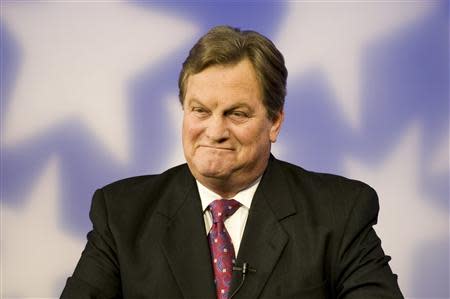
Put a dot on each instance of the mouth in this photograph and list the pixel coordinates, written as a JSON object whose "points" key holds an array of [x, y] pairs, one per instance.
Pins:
{"points": [[219, 148]]}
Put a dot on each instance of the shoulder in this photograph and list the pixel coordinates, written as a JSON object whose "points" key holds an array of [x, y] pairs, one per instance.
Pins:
{"points": [[144, 182], [124, 206], [328, 191], [319, 180], [141, 192]]}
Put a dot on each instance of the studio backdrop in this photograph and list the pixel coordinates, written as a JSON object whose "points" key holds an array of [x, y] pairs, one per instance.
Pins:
{"points": [[89, 96]]}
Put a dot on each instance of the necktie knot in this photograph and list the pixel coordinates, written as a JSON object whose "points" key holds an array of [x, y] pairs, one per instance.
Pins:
{"points": [[221, 209]]}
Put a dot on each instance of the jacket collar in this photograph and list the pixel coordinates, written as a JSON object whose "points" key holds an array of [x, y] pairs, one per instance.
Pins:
{"points": [[264, 236], [184, 242]]}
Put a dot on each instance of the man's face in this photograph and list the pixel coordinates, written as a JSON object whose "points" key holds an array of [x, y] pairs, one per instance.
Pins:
{"points": [[226, 132]]}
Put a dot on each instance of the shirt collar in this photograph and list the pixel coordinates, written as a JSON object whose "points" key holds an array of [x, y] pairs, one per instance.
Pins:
{"points": [[244, 197]]}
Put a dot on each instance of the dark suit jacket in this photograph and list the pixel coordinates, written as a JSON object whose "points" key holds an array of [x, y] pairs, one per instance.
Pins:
{"points": [[308, 235]]}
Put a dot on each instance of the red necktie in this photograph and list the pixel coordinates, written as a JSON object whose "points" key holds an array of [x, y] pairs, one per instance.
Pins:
{"points": [[222, 250]]}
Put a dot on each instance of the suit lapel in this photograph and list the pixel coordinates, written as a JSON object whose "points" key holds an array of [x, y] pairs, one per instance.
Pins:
{"points": [[185, 243], [264, 237]]}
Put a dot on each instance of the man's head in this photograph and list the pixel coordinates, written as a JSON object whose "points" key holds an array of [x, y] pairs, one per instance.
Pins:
{"points": [[232, 89], [224, 45]]}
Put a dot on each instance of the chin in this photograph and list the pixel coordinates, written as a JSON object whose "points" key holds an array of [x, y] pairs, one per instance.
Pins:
{"points": [[211, 170], [213, 173]]}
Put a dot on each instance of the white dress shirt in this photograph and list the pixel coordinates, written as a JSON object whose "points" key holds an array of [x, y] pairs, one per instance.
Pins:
{"points": [[235, 224]]}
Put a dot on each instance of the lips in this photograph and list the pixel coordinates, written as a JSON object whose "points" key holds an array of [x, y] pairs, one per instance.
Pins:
{"points": [[219, 148]]}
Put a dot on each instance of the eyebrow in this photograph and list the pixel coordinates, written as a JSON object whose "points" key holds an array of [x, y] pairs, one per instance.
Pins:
{"points": [[240, 105], [237, 105], [195, 101]]}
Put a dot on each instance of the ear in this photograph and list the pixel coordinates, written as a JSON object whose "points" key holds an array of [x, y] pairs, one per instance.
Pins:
{"points": [[276, 126]]}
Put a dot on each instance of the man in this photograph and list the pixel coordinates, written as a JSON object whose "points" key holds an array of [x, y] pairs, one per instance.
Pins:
{"points": [[235, 221]]}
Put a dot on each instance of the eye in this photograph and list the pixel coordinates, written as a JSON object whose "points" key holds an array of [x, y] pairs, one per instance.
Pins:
{"points": [[199, 111], [238, 115]]}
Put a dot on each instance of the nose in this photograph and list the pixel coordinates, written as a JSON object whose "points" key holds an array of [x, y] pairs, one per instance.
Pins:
{"points": [[217, 129]]}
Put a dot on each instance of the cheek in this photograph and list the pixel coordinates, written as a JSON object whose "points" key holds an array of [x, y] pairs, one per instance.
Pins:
{"points": [[191, 131], [248, 137], [254, 139], [254, 134]]}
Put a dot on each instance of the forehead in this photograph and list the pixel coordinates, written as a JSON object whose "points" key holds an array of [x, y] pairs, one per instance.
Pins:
{"points": [[228, 80]]}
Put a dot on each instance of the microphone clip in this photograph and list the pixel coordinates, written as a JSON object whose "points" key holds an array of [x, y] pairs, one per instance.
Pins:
{"points": [[244, 269]]}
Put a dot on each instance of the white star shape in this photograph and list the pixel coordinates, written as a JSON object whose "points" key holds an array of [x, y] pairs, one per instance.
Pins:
{"points": [[76, 61], [332, 36], [405, 209], [37, 254]]}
